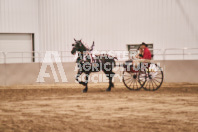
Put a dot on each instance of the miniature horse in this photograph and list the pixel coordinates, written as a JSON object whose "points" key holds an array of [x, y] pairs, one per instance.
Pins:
{"points": [[87, 64]]}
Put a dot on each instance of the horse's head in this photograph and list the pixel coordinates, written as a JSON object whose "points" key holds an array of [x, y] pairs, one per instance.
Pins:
{"points": [[77, 47]]}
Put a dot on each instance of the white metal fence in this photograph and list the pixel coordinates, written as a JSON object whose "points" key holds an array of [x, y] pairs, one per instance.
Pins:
{"points": [[66, 56]]}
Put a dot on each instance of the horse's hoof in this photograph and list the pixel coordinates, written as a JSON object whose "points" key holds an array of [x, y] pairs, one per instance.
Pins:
{"points": [[84, 90], [108, 90]]}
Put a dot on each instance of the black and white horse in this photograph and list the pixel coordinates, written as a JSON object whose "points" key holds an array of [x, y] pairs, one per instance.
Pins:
{"points": [[87, 64]]}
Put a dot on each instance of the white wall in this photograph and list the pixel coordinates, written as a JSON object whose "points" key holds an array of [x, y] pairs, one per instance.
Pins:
{"points": [[16, 46], [23, 75], [114, 23], [19, 16], [110, 23]]}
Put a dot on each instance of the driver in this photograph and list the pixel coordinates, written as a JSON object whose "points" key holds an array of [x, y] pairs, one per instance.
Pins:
{"points": [[146, 52]]}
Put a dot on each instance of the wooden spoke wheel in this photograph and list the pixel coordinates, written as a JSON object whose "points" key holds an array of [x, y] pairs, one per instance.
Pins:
{"points": [[134, 80], [154, 77]]}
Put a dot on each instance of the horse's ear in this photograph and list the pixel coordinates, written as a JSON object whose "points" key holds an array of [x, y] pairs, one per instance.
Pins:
{"points": [[93, 43], [74, 39]]}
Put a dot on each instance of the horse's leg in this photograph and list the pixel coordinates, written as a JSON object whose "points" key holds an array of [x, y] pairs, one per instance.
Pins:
{"points": [[86, 83], [77, 76], [110, 75]]}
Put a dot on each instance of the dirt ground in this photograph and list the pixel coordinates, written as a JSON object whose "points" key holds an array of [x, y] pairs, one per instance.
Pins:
{"points": [[45, 108]]}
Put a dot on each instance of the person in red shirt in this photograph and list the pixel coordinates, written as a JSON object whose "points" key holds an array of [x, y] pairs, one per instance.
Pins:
{"points": [[146, 52]]}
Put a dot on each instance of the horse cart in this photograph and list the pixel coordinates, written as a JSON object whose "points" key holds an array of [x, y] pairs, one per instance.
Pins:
{"points": [[146, 75]]}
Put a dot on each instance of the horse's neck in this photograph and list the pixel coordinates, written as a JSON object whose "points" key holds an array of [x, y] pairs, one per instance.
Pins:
{"points": [[83, 53], [86, 57], [85, 46]]}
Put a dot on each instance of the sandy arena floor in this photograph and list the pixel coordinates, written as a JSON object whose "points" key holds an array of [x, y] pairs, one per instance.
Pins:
{"points": [[174, 107]]}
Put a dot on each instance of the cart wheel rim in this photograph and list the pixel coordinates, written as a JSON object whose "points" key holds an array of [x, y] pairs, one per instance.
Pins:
{"points": [[132, 80], [154, 78]]}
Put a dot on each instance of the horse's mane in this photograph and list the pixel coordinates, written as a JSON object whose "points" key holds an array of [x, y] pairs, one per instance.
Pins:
{"points": [[85, 46]]}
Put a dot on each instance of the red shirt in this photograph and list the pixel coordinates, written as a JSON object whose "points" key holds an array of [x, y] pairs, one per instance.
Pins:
{"points": [[147, 54]]}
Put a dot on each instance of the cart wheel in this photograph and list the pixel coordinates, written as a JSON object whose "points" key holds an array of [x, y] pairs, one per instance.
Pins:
{"points": [[154, 78], [134, 80]]}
